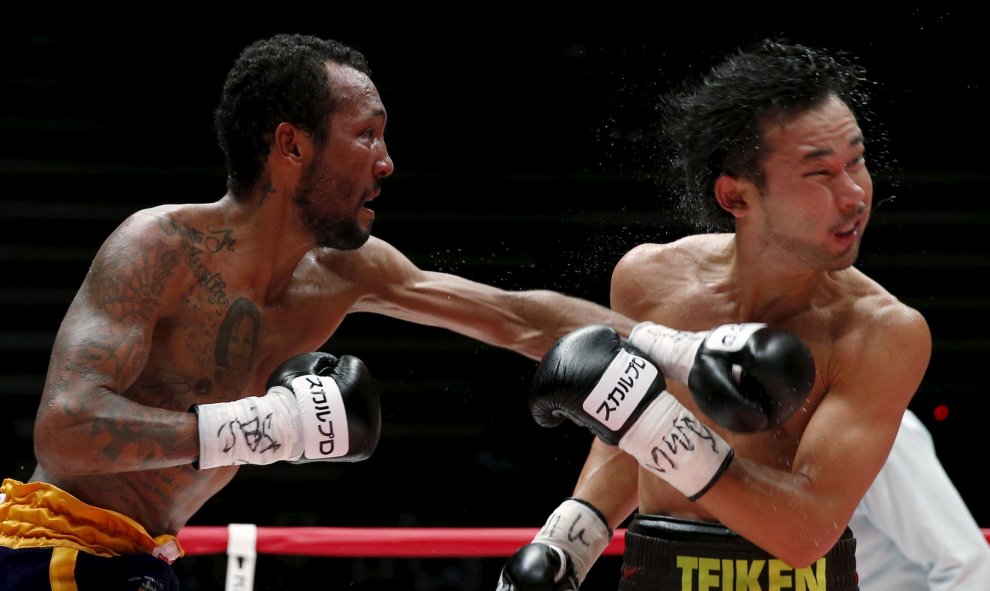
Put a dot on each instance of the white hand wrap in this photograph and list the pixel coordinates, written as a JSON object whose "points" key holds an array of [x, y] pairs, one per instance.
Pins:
{"points": [[671, 442], [674, 351], [254, 430], [579, 530]]}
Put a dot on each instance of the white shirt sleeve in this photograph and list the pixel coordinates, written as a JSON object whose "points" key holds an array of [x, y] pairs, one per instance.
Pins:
{"points": [[917, 512]]}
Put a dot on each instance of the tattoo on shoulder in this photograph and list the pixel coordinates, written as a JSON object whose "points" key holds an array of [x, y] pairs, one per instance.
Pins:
{"points": [[133, 286], [213, 240]]}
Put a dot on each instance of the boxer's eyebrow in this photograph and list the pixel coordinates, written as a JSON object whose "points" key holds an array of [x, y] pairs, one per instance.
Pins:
{"points": [[855, 141]]}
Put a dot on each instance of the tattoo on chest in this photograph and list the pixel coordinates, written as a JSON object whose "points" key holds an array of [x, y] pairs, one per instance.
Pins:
{"points": [[237, 338], [194, 244], [211, 281], [163, 389], [169, 382], [167, 389]]}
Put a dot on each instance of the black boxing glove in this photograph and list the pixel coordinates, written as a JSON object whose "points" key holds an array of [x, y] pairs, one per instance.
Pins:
{"points": [[561, 554], [348, 437], [601, 382], [746, 377], [317, 408]]}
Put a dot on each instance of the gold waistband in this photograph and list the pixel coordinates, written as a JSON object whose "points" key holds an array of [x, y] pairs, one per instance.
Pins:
{"points": [[37, 514]]}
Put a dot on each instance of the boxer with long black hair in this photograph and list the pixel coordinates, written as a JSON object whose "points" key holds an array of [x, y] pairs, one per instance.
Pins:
{"points": [[776, 177]]}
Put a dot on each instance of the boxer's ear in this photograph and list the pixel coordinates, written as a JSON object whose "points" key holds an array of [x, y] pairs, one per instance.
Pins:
{"points": [[732, 194], [291, 144]]}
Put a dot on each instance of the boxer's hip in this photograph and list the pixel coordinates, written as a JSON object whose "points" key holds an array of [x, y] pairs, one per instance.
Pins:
{"points": [[39, 515], [667, 554]]}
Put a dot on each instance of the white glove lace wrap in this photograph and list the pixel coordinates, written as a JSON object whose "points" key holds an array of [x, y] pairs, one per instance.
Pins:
{"points": [[671, 442], [254, 430], [309, 421], [674, 351]]}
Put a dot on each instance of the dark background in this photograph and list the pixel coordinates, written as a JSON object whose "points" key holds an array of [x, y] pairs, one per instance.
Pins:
{"points": [[518, 163]]}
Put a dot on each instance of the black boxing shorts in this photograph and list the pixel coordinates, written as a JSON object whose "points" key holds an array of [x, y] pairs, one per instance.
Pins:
{"points": [[667, 554], [52, 540]]}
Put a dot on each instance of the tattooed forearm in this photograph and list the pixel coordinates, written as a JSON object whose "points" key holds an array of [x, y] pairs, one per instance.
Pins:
{"points": [[127, 435]]}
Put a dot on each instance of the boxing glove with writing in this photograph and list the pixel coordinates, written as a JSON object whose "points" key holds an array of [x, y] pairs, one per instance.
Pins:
{"points": [[766, 373], [317, 408], [561, 554], [601, 382]]}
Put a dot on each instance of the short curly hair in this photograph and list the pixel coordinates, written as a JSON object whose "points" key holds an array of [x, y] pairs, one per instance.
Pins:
{"points": [[715, 126], [282, 78]]}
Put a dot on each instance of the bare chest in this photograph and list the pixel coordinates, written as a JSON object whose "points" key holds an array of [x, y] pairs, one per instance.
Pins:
{"points": [[222, 343]]}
